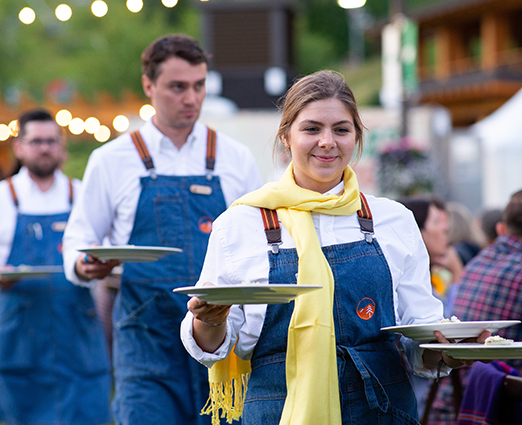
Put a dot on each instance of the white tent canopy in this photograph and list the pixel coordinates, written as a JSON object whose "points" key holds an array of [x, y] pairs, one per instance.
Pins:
{"points": [[501, 137]]}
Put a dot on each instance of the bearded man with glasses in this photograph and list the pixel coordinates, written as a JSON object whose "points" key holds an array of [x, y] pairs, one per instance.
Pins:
{"points": [[54, 363]]}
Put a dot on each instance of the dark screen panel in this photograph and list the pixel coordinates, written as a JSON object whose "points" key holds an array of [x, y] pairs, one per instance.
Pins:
{"points": [[241, 37]]}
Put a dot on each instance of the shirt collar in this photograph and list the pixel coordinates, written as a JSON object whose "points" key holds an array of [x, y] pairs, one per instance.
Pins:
{"points": [[337, 190], [156, 140], [25, 178]]}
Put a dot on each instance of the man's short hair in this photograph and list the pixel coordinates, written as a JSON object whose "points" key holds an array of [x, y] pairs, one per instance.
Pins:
{"points": [[513, 215], [174, 45], [41, 115]]}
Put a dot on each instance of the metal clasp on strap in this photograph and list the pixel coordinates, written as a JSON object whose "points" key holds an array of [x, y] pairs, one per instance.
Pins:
{"points": [[210, 161], [364, 215], [144, 153], [273, 237], [272, 229]]}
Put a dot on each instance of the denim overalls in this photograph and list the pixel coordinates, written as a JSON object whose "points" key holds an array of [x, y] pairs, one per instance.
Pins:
{"points": [[157, 381], [374, 388], [54, 362]]}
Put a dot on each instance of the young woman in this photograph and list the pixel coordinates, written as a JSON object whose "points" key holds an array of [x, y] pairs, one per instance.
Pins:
{"points": [[323, 358]]}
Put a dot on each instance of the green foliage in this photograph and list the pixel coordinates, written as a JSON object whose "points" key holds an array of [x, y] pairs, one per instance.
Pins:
{"points": [[365, 81], [92, 54], [313, 51], [79, 152]]}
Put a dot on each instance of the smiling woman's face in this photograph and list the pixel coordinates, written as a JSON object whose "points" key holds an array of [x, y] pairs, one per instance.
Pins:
{"points": [[322, 141]]}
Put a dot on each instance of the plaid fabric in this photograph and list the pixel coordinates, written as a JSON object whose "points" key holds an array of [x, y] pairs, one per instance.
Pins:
{"points": [[490, 289]]}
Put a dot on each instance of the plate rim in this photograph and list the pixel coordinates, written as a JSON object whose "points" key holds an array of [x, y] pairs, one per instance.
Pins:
{"points": [[242, 298], [470, 345], [35, 270], [131, 248], [465, 322], [477, 351], [183, 289]]}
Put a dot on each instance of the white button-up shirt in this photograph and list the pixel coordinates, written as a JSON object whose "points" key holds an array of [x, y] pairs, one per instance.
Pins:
{"points": [[237, 253], [32, 201], [111, 185]]}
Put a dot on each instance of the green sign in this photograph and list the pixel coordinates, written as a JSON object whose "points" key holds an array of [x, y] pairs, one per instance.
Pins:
{"points": [[409, 50]]}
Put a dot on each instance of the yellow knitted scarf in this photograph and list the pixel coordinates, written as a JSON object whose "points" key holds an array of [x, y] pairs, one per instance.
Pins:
{"points": [[311, 359]]}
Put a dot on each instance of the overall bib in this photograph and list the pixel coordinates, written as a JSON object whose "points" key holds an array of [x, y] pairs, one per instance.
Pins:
{"points": [[374, 388], [54, 362], [157, 381]]}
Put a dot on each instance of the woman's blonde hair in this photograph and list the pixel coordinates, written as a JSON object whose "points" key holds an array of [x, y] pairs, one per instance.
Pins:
{"points": [[320, 85]]}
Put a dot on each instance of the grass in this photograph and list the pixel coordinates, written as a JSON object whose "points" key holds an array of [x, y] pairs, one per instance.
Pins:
{"points": [[365, 81]]}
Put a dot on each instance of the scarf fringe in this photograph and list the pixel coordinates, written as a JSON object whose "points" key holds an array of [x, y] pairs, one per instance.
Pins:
{"points": [[229, 397]]}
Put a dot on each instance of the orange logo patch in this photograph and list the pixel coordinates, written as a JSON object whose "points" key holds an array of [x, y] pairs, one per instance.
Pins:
{"points": [[205, 224], [366, 308]]}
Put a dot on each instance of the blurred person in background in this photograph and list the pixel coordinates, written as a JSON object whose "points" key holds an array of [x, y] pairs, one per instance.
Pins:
{"points": [[463, 238], [462, 231], [445, 263], [490, 289], [162, 185], [54, 363], [487, 221]]}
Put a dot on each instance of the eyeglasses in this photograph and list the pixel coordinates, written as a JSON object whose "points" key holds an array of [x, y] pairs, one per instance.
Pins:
{"points": [[36, 143]]}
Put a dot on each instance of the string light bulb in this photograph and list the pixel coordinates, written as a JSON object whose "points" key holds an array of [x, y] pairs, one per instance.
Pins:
{"points": [[99, 8], [27, 16], [63, 12], [134, 5]]}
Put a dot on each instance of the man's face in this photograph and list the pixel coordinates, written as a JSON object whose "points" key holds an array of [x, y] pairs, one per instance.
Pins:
{"points": [[177, 94], [42, 148]]}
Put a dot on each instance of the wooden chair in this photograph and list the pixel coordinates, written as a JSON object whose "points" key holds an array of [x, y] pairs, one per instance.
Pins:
{"points": [[513, 387]]}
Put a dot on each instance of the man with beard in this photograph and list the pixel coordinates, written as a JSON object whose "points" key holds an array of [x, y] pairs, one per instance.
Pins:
{"points": [[160, 186], [54, 364]]}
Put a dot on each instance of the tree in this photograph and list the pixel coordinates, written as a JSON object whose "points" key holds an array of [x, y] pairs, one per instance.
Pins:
{"points": [[90, 54]]}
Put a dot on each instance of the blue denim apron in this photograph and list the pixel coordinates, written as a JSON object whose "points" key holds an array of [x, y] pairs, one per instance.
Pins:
{"points": [[157, 381], [54, 362], [374, 388]]}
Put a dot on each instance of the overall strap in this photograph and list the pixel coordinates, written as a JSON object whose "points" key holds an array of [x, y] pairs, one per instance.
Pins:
{"points": [[364, 215], [272, 229], [211, 152], [143, 151], [71, 191], [149, 164], [13, 191], [15, 197]]}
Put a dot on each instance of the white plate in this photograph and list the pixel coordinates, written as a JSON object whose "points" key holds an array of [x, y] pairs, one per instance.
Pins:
{"points": [[479, 351], [247, 294], [456, 330], [130, 253], [29, 272]]}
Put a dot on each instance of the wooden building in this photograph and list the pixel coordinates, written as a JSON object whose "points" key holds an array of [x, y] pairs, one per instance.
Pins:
{"points": [[470, 56]]}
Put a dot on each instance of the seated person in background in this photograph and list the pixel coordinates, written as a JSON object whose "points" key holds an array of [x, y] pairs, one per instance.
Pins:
{"points": [[490, 289], [445, 263], [462, 232], [487, 221]]}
